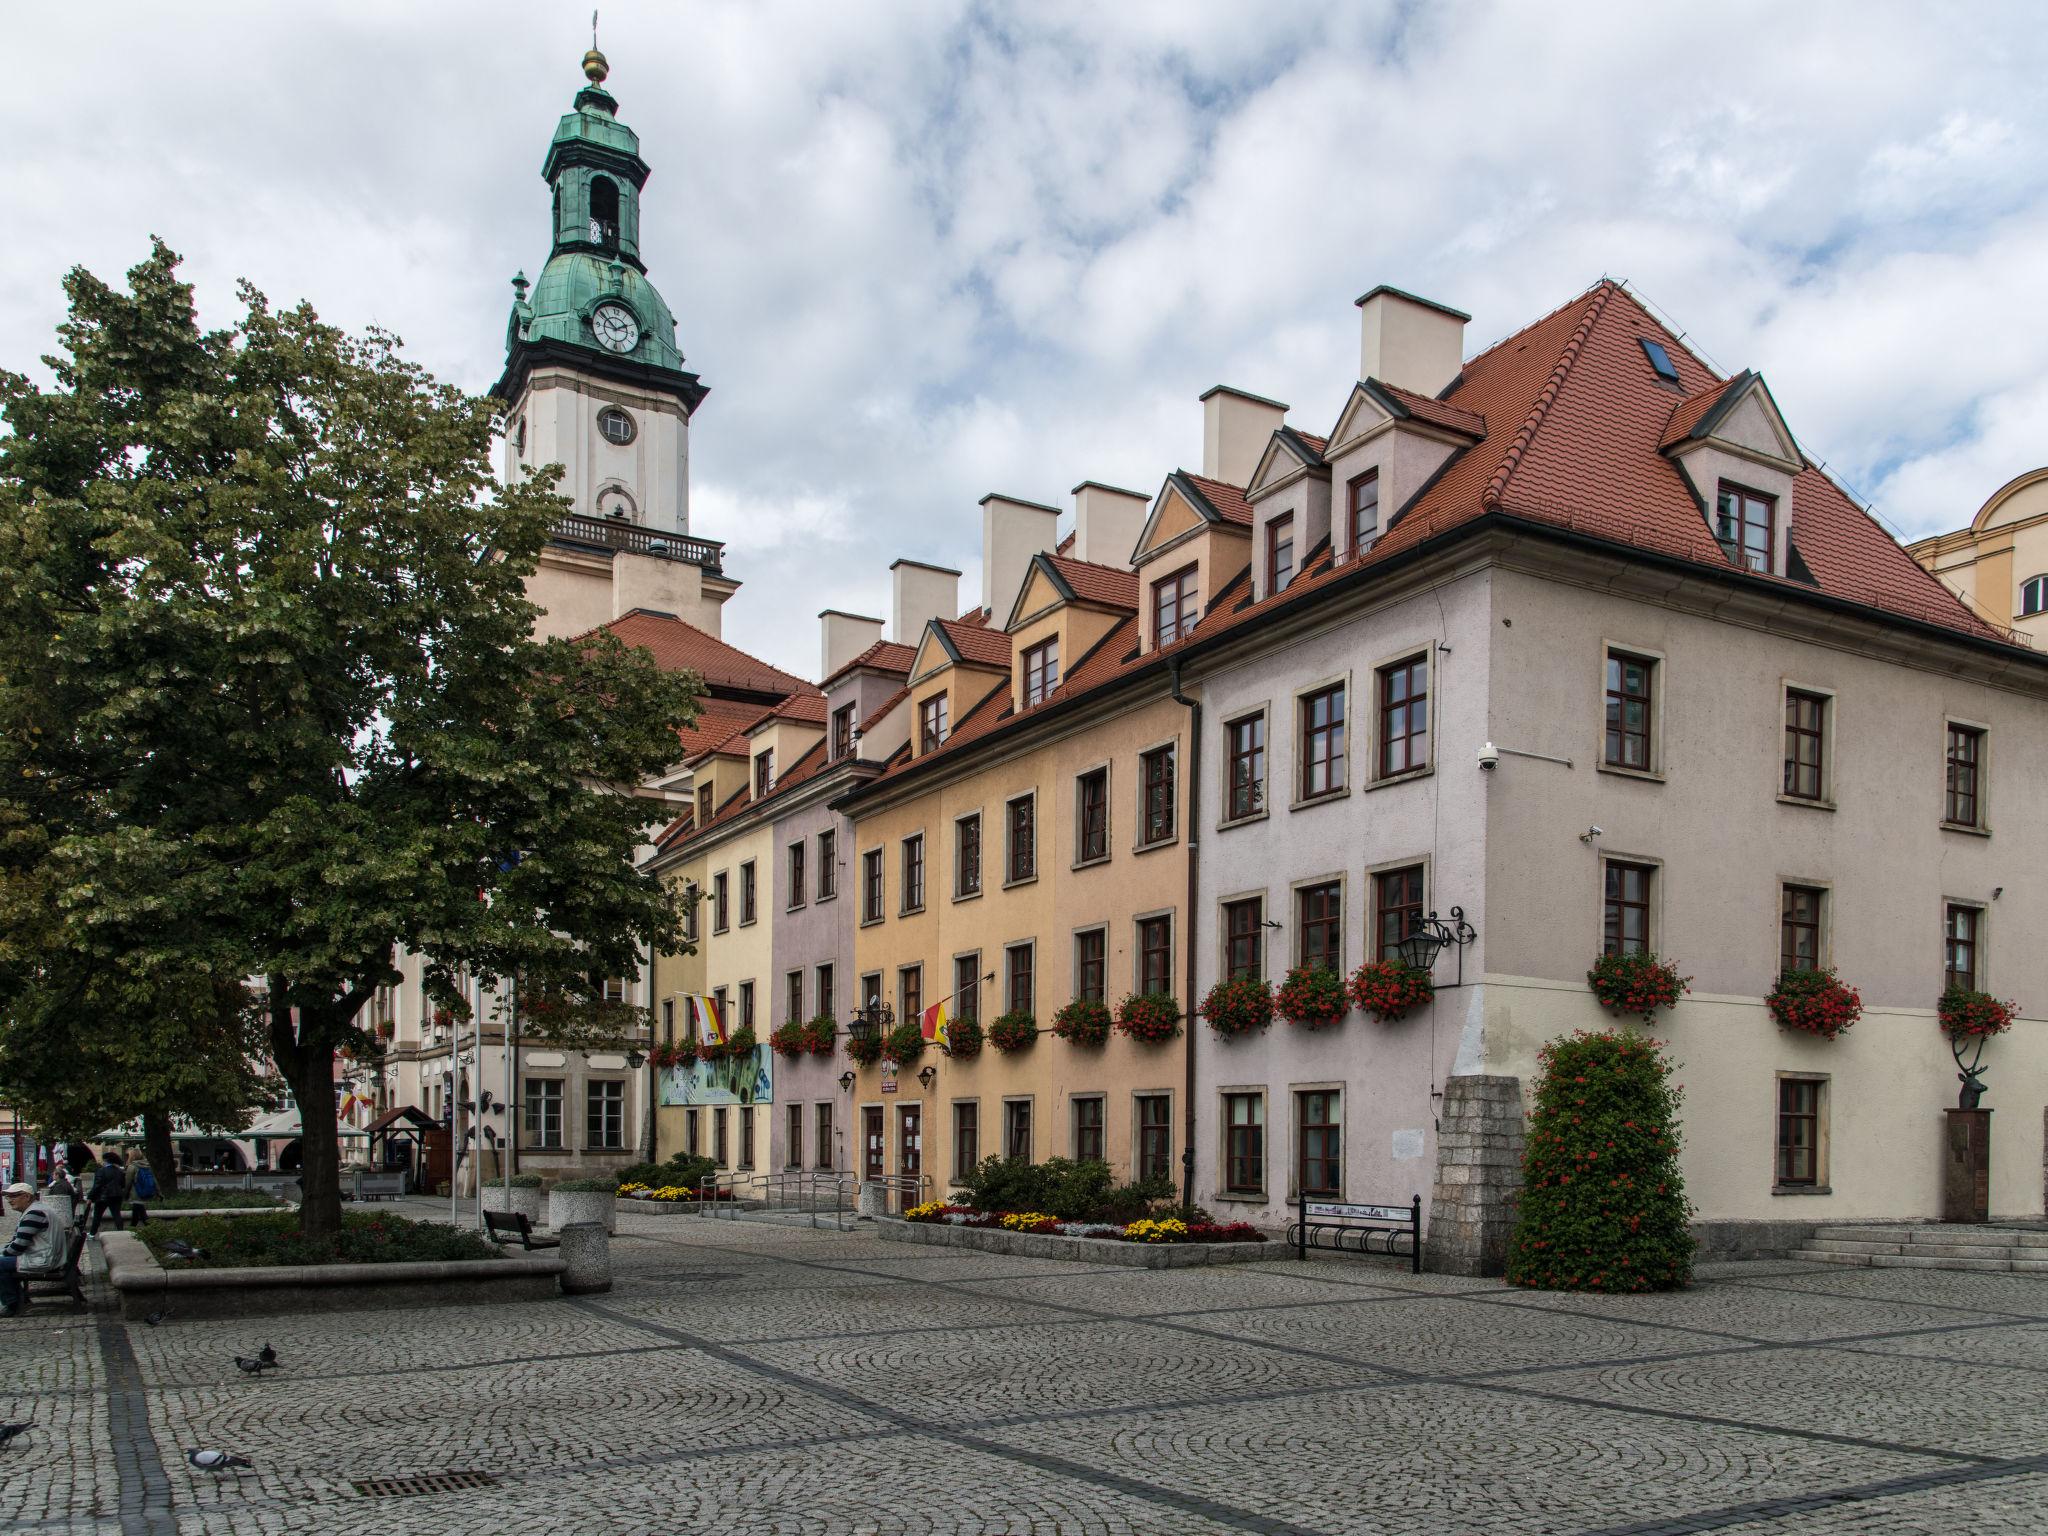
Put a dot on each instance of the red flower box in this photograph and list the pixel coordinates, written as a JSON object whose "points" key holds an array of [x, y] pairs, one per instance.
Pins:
{"points": [[1084, 1021], [1311, 997], [1967, 1015], [1239, 1005], [1817, 1002], [1390, 990], [1639, 983], [1151, 1016]]}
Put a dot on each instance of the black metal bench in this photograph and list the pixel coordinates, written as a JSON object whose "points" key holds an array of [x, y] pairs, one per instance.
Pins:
{"points": [[63, 1281], [506, 1225], [1336, 1226]]}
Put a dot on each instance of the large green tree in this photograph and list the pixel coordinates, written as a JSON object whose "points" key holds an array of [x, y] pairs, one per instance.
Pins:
{"points": [[272, 705]]}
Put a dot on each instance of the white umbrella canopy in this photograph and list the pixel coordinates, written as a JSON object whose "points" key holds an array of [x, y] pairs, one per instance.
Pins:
{"points": [[278, 1125]]}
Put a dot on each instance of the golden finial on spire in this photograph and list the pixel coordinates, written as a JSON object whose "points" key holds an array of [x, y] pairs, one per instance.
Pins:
{"points": [[595, 68]]}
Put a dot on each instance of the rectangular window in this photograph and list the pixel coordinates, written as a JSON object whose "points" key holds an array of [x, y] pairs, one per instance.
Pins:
{"points": [[1628, 908], [842, 731], [1319, 919], [1962, 944], [1091, 816], [746, 1135], [1799, 1131], [1091, 964], [1088, 1129], [1630, 681], [615, 989], [828, 1004], [693, 1131], [1805, 743], [1155, 1137], [1746, 526], [746, 1005], [822, 1138], [796, 874], [1019, 995], [966, 1135], [967, 856], [1965, 759], [748, 894], [793, 997], [1362, 497], [913, 873], [1155, 792], [828, 865], [1799, 928], [871, 886], [1244, 938], [1041, 671], [1155, 955], [544, 1112], [1397, 909], [1322, 742], [793, 1137], [704, 806], [1173, 607], [1404, 716], [1279, 553], [965, 1002], [693, 898], [764, 772], [721, 1139], [605, 1115], [1017, 1128], [1247, 767], [931, 722], [1244, 1143], [668, 1021], [1319, 1156], [1021, 856], [720, 912], [720, 996], [871, 990], [909, 994]]}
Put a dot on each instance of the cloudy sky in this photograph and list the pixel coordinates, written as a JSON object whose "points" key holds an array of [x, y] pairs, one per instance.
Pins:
{"points": [[923, 251]]}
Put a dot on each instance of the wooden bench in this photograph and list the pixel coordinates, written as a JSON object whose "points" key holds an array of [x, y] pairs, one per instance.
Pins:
{"points": [[1338, 1226], [63, 1281], [513, 1224]]}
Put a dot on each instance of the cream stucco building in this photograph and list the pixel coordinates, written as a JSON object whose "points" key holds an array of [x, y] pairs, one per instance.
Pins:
{"points": [[1999, 564]]}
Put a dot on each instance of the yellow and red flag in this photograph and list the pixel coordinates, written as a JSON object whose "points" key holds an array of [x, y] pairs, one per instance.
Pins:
{"points": [[934, 1022], [710, 1021]]}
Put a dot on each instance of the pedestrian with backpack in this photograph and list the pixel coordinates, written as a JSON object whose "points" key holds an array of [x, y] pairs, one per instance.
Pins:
{"points": [[109, 1189]]}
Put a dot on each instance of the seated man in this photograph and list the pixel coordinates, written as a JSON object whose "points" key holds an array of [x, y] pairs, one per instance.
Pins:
{"points": [[35, 1248]]}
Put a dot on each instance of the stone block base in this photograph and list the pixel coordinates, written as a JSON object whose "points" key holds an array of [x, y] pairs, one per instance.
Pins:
{"points": [[1478, 1176]]}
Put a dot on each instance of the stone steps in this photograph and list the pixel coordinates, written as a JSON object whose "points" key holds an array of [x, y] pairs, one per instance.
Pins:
{"points": [[2000, 1250]]}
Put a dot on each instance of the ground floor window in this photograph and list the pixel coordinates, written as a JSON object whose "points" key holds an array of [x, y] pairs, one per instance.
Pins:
{"points": [[1017, 1128], [605, 1110], [793, 1154], [1802, 1126], [1088, 1129], [544, 1112], [721, 1147], [1155, 1136], [693, 1132], [824, 1136], [1244, 1143], [966, 1135], [747, 1136], [1319, 1157]]}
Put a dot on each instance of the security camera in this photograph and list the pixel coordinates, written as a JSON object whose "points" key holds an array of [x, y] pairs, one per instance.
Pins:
{"points": [[1489, 758]]}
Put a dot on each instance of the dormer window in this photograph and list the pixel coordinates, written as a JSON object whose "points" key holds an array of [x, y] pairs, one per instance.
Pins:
{"points": [[1279, 553], [931, 723], [1174, 613], [1362, 499], [704, 806], [1746, 524], [764, 773], [604, 213], [1041, 671], [842, 731]]}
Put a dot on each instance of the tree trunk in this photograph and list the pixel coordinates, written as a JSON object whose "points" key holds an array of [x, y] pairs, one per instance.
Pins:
{"points": [[161, 1151], [305, 1056]]}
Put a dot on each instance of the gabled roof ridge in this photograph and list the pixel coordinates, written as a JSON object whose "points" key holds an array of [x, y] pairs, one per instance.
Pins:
{"points": [[1522, 330], [1568, 355], [878, 658], [1692, 410]]}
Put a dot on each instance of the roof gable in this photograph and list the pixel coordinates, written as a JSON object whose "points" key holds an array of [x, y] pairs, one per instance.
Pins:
{"points": [[1287, 456]]}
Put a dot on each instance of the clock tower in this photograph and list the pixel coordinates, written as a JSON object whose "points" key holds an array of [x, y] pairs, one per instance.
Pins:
{"points": [[594, 382]]}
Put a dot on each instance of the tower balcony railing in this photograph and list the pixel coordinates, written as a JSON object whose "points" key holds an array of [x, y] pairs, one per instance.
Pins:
{"points": [[613, 534]]}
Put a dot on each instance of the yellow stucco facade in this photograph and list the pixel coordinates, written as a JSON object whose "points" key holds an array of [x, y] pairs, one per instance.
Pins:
{"points": [[1999, 564]]}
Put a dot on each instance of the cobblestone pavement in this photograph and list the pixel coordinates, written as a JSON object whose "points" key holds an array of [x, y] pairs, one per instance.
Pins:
{"points": [[744, 1378]]}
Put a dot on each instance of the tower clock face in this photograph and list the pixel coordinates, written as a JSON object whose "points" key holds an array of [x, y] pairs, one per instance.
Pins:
{"points": [[617, 330]]}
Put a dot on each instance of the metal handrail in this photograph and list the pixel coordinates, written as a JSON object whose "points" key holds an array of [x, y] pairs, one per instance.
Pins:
{"points": [[617, 534], [793, 1189]]}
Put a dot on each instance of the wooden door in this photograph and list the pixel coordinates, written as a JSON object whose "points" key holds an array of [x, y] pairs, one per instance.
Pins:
{"points": [[873, 1156], [909, 1152]]}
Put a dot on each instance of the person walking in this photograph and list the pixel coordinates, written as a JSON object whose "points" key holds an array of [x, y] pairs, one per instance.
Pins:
{"points": [[35, 1247], [109, 1190]]}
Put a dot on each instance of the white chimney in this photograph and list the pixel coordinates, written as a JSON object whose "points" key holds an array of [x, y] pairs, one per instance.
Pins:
{"points": [[923, 593], [1107, 523], [1235, 430], [843, 636], [1012, 531], [1411, 342]]}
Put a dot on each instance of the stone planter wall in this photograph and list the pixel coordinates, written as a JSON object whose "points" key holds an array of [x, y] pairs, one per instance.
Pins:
{"points": [[598, 1205], [521, 1202], [1083, 1250]]}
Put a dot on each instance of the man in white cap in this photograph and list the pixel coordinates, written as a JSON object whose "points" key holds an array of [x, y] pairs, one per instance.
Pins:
{"points": [[32, 1249]]}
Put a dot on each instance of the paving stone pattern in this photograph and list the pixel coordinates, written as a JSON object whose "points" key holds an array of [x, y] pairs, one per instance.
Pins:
{"points": [[745, 1378]]}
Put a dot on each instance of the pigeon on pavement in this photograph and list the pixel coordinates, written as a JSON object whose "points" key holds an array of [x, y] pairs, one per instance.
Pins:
{"points": [[9, 1431], [250, 1367], [267, 1355], [157, 1317], [215, 1461]]}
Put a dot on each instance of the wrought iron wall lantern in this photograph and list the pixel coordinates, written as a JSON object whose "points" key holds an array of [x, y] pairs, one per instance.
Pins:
{"points": [[928, 1076], [1432, 936], [870, 1022], [846, 1081]]}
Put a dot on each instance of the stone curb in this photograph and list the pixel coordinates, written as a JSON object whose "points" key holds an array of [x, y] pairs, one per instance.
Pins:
{"points": [[1084, 1250]]}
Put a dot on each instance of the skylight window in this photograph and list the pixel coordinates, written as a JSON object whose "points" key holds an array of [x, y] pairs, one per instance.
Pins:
{"points": [[1659, 359]]}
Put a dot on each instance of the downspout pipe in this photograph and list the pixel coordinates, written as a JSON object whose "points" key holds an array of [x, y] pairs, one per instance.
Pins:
{"points": [[1194, 782]]}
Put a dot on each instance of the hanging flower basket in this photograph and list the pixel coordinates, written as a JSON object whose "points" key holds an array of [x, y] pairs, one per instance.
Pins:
{"points": [[386, 1029], [1239, 1005], [1311, 997], [904, 1044], [1084, 1021], [1967, 1015], [820, 1035], [963, 1039], [1638, 984], [1013, 1032], [1816, 1002], [741, 1042], [1152, 1017], [864, 1050], [1390, 990], [791, 1039]]}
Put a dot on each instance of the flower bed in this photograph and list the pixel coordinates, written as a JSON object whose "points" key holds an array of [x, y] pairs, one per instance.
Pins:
{"points": [[1239, 1006], [264, 1240], [672, 1193], [212, 1200], [1817, 1002], [1311, 997], [1084, 1021], [1145, 1230], [1152, 1017], [1390, 990]]}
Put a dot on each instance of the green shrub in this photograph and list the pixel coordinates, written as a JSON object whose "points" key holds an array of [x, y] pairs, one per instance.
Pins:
{"points": [[1133, 1202], [1003, 1184], [1075, 1188], [249, 1242], [683, 1168], [588, 1186], [1603, 1203], [1059, 1186], [527, 1181]]}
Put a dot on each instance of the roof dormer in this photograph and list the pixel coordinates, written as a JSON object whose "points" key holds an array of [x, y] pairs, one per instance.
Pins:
{"points": [[1065, 609], [1386, 445], [1196, 542], [1290, 499], [1741, 462], [957, 666]]}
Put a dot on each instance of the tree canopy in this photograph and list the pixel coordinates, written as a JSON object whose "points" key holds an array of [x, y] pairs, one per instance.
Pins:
{"points": [[272, 705]]}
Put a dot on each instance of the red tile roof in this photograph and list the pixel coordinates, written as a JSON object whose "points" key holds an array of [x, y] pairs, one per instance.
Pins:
{"points": [[734, 742], [716, 720], [977, 644], [803, 708], [1687, 413], [678, 647], [1228, 500], [882, 656], [1093, 583], [1437, 413]]}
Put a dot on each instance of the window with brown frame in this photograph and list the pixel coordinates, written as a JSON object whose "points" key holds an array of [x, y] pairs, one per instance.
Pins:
{"points": [[1404, 716], [1091, 964], [1806, 716], [1155, 788], [913, 873], [1017, 1128], [1155, 1136], [1041, 671], [694, 900], [1630, 701], [1961, 948], [1247, 766], [871, 886], [828, 865], [1244, 1143], [704, 806], [764, 772], [1244, 938], [1091, 816], [749, 894], [1174, 614], [1020, 995], [1746, 527], [793, 997], [1319, 922], [1799, 928], [965, 1002], [1279, 553], [1155, 955], [1319, 1158], [966, 1134], [796, 874], [720, 914], [1397, 909], [909, 994], [967, 856], [746, 1005], [823, 1137], [931, 723], [1021, 854], [1362, 498], [1965, 760], [826, 1000], [1322, 742], [1799, 1131], [842, 731], [793, 1137], [1088, 1128], [1628, 908]]}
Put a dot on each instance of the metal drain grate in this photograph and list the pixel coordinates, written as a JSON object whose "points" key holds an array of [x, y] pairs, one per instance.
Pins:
{"points": [[426, 1482]]}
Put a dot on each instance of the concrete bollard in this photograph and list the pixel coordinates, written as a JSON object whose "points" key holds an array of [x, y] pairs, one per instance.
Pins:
{"points": [[872, 1201], [587, 1250]]}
